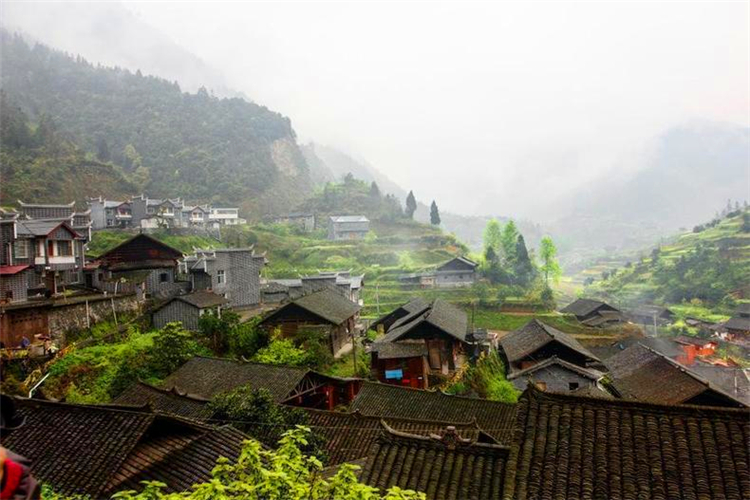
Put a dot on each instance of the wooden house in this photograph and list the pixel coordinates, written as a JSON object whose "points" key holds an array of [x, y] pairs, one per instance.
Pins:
{"points": [[536, 342], [593, 312], [422, 340], [141, 264], [348, 227], [94, 451], [188, 309], [644, 374], [457, 272], [556, 375], [204, 377], [738, 326], [326, 309], [233, 273], [649, 315], [693, 348]]}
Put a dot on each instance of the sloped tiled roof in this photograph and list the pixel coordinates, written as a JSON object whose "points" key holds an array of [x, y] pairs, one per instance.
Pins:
{"points": [[205, 377], [583, 307], [735, 381], [201, 299], [438, 314], [572, 447], [443, 467], [554, 360], [738, 323], [641, 373], [397, 350], [179, 459], [74, 448], [414, 305], [326, 304], [349, 218], [165, 401], [391, 401], [96, 450], [533, 336], [349, 436]]}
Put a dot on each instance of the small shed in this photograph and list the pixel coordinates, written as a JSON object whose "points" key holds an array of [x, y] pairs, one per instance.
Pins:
{"points": [[187, 309]]}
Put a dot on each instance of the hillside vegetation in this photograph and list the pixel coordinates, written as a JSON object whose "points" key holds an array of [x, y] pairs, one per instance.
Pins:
{"points": [[709, 265], [172, 143]]}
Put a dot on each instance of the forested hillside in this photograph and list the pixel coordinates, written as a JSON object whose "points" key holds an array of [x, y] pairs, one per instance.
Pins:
{"points": [[38, 161], [176, 144], [710, 264]]}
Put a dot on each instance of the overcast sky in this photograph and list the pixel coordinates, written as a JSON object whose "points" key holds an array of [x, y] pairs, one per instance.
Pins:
{"points": [[484, 107]]}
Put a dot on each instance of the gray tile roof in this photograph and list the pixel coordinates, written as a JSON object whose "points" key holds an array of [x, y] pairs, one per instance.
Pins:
{"points": [[554, 360], [328, 305], [533, 336], [584, 307], [202, 299], [349, 218], [439, 314], [206, 377]]}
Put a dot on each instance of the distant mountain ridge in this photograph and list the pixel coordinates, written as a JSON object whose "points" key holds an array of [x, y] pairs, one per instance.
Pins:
{"points": [[192, 145]]}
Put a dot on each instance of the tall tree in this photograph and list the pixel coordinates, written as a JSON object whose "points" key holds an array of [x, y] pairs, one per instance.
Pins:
{"points": [[548, 255], [492, 236], [434, 214], [523, 269], [411, 205], [508, 241]]}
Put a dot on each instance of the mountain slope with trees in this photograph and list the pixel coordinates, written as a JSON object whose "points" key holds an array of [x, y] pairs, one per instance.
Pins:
{"points": [[192, 145]]}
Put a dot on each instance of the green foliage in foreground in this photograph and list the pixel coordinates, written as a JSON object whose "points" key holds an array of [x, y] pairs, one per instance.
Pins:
{"points": [[282, 474], [487, 378]]}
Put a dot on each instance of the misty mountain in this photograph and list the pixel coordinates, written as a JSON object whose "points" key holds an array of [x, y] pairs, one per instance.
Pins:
{"points": [[689, 173], [111, 34], [338, 164], [178, 144]]}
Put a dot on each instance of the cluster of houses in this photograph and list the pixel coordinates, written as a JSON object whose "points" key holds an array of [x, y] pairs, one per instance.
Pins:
{"points": [[144, 212], [650, 429], [595, 313]]}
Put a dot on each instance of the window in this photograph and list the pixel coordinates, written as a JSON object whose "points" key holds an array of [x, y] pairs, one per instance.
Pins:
{"points": [[163, 277], [110, 222], [572, 386], [64, 248], [220, 277], [21, 249]]}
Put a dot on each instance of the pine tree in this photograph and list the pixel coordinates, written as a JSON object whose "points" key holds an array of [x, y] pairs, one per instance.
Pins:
{"points": [[524, 268], [374, 190], [508, 240], [411, 205], [434, 214]]}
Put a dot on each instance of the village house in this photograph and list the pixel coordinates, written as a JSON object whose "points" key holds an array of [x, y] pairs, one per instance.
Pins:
{"points": [[39, 257], [205, 377], [431, 340], [389, 401], [536, 342], [693, 348], [96, 451], [348, 227], [457, 272], [459, 467], [141, 264], [110, 213], [65, 212], [566, 446], [643, 374], [650, 315], [188, 309], [556, 375], [325, 311], [343, 282], [233, 273], [593, 312], [738, 326]]}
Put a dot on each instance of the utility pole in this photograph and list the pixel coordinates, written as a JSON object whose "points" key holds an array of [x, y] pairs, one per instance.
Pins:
{"points": [[354, 351]]}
